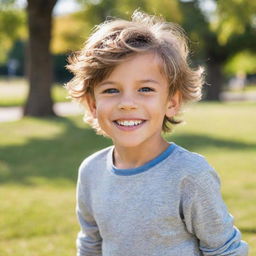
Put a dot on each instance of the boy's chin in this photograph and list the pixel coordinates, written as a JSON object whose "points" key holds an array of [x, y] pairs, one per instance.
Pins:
{"points": [[131, 143]]}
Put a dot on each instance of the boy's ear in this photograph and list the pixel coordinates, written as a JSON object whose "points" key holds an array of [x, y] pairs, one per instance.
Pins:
{"points": [[173, 105], [91, 104]]}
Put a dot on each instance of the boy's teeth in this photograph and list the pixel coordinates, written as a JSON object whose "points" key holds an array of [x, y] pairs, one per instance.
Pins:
{"points": [[129, 123]]}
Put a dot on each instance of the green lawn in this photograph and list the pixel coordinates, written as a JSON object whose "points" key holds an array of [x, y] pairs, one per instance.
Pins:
{"points": [[38, 169]]}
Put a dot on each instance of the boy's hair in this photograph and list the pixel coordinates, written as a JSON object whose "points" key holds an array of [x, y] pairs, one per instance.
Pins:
{"points": [[115, 40]]}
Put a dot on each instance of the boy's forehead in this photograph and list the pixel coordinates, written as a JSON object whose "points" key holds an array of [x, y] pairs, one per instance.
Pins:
{"points": [[142, 68], [140, 64]]}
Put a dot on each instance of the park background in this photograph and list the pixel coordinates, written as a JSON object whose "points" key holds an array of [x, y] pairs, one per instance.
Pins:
{"points": [[41, 151]]}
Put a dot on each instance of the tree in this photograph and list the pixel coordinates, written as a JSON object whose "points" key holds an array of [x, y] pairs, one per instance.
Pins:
{"points": [[212, 54], [39, 102], [230, 30]]}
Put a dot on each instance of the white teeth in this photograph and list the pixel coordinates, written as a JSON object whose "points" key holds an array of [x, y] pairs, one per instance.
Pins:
{"points": [[129, 123]]}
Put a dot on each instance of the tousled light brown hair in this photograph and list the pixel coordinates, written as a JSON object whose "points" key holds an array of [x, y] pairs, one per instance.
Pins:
{"points": [[115, 40]]}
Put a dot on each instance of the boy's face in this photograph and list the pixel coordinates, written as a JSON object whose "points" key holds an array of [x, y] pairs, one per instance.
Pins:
{"points": [[130, 104]]}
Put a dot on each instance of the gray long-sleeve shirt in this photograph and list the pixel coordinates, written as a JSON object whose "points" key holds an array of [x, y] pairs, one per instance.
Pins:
{"points": [[171, 206]]}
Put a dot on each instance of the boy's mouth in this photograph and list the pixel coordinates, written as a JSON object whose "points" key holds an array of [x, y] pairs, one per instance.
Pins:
{"points": [[129, 123]]}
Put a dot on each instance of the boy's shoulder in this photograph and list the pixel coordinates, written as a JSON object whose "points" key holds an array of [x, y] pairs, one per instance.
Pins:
{"points": [[193, 165], [95, 159], [190, 158]]}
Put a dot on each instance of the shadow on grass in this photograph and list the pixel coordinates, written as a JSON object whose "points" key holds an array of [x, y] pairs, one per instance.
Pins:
{"points": [[51, 159], [197, 142], [58, 159], [248, 230]]}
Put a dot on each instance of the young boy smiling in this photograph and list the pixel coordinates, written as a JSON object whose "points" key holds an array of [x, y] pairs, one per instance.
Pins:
{"points": [[144, 195], [130, 106]]}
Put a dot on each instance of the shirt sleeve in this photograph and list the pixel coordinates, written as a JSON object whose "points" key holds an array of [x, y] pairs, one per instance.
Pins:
{"points": [[206, 216], [88, 240]]}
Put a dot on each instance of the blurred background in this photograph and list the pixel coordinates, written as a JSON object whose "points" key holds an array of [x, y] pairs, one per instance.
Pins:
{"points": [[37, 37], [42, 136]]}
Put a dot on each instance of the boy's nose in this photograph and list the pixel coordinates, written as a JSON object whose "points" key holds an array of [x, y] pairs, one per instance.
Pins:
{"points": [[127, 103]]}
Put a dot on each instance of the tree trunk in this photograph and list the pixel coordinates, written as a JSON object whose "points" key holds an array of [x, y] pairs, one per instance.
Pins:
{"points": [[215, 80], [39, 102]]}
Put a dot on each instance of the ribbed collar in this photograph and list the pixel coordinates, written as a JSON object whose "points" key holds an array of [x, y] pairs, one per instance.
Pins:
{"points": [[143, 168]]}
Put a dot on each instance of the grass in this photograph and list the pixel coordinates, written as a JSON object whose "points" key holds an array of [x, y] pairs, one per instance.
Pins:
{"points": [[38, 169], [14, 92]]}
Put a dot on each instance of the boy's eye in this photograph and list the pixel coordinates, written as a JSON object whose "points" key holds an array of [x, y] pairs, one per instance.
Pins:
{"points": [[146, 89], [110, 91]]}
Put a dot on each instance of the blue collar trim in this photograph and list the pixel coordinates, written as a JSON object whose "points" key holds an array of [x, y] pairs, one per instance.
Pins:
{"points": [[146, 166]]}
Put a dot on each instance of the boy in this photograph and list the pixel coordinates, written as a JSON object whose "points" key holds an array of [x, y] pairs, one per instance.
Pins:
{"points": [[144, 195]]}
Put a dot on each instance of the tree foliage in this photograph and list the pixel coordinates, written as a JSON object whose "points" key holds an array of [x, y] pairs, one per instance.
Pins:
{"points": [[244, 61], [234, 18], [12, 26], [69, 33]]}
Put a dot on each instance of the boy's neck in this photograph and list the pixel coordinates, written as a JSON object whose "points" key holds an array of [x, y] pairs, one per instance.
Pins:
{"points": [[131, 157]]}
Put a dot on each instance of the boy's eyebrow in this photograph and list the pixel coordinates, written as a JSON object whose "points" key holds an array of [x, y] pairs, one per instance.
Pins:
{"points": [[106, 82], [139, 81], [148, 81]]}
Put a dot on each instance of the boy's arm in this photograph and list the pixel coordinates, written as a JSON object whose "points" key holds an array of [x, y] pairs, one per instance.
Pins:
{"points": [[206, 216], [88, 240]]}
